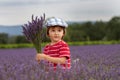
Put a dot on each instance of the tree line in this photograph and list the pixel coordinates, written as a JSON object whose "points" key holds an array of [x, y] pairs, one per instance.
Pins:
{"points": [[86, 31]]}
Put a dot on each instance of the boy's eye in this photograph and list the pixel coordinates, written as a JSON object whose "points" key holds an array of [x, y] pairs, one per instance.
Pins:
{"points": [[59, 30], [53, 30]]}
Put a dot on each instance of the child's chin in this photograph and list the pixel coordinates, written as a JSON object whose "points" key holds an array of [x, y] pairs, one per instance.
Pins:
{"points": [[56, 40]]}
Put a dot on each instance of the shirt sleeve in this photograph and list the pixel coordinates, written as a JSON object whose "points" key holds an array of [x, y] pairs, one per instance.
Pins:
{"points": [[64, 51]]}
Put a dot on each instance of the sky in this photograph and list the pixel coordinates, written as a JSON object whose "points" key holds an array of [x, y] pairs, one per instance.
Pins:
{"points": [[18, 12]]}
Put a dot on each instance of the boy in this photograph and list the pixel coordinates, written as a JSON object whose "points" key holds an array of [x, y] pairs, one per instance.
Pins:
{"points": [[57, 51]]}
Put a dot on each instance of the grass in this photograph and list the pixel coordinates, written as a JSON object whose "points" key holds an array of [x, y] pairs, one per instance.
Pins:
{"points": [[29, 45], [93, 42]]}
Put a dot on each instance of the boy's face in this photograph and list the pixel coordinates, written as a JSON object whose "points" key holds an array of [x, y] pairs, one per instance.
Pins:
{"points": [[56, 33]]}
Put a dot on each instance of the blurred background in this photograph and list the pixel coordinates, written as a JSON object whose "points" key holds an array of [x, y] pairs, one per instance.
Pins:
{"points": [[89, 20]]}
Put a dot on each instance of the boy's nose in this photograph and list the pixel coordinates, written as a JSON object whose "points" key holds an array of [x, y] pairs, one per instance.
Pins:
{"points": [[56, 32]]}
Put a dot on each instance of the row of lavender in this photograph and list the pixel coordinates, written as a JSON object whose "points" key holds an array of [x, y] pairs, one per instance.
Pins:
{"points": [[98, 62]]}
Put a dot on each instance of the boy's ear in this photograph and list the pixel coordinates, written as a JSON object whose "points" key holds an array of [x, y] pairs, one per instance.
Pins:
{"points": [[63, 35]]}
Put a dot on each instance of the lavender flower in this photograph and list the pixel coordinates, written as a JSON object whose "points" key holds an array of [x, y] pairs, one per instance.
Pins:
{"points": [[33, 31], [96, 62]]}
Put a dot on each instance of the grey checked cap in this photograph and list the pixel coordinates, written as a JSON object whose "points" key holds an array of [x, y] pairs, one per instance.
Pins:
{"points": [[55, 21]]}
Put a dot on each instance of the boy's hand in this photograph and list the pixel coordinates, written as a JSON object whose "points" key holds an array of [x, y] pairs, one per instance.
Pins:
{"points": [[40, 57]]}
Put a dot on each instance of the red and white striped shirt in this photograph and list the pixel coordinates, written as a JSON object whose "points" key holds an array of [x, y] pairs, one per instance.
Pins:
{"points": [[58, 50]]}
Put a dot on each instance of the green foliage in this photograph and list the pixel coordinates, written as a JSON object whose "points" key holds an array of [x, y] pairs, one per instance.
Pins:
{"points": [[15, 45], [3, 38], [74, 32], [87, 31], [113, 29], [99, 30], [20, 39]]}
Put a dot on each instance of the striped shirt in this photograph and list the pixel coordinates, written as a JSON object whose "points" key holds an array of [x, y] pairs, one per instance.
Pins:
{"points": [[58, 50]]}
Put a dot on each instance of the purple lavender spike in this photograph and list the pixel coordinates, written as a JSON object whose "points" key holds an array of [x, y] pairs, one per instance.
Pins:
{"points": [[33, 31]]}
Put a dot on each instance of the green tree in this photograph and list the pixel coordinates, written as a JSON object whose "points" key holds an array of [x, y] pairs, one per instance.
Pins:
{"points": [[3, 38], [113, 29], [99, 30], [88, 29], [73, 32], [20, 39]]}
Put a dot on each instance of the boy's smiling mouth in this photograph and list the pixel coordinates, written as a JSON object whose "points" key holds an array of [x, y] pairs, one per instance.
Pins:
{"points": [[56, 36]]}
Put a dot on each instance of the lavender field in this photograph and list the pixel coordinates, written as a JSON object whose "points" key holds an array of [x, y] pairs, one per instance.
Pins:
{"points": [[93, 62]]}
